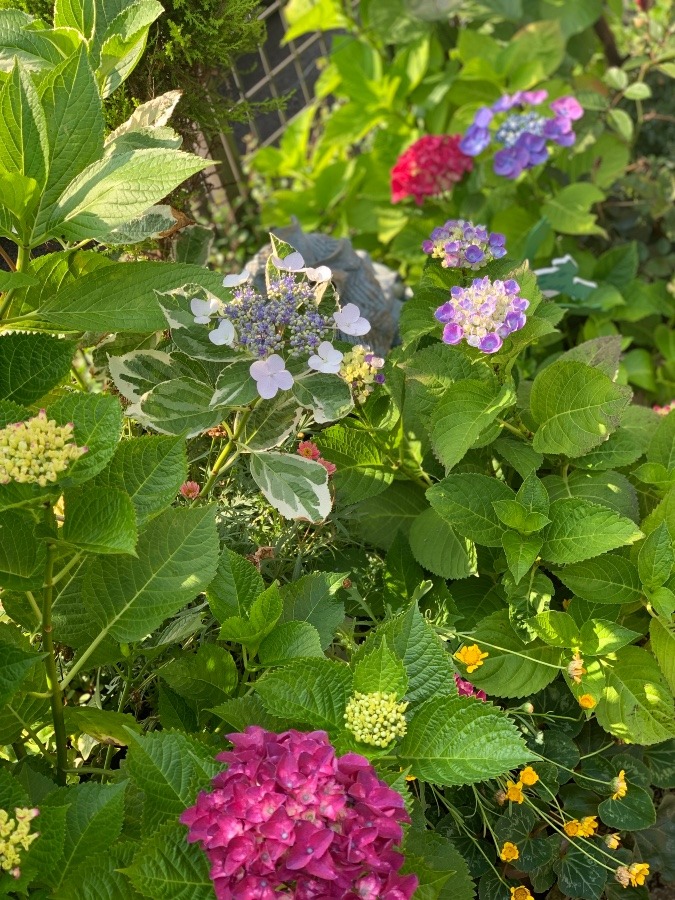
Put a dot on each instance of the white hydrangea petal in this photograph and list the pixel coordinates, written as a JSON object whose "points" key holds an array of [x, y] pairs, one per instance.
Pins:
{"points": [[294, 262], [235, 280], [275, 364], [319, 275], [267, 387], [258, 369], [283, 380], [223, 335]]}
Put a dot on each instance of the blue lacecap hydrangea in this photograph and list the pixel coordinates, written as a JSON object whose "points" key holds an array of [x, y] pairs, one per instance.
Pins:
{"points": [[483, 314]]}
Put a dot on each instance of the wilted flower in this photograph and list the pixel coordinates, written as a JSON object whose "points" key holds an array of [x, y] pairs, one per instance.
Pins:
{"points": [[326, 359], [619, 786], [375, 718], [523, 135], [514, 791], [622, 875], [360, 370], [528, 776], [271, 376], [15, 837], [462, 245], [471, 656], [429, 168], [509, 852], [587, 701], [189, 490], [36, 451], [289, 818], [466, 689], [482, 314], [350, 321], [576, 669]]}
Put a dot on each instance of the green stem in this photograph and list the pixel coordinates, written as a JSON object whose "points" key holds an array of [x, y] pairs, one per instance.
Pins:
{"points": [[225, 458], [509, 427], [34, 606], [22, 260], [120, 709], [540, 662], [91, 770], [68, 566], [52, 673], [100, 637]]}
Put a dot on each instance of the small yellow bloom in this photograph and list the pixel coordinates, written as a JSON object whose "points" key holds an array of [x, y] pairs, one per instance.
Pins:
{"points": [[638, 872], [528, 776], [514, 791], [521, 893], [622, 875], [509, 852], [619, 786], [588, 826], [612, 841], [586, 701], [576, 668], [471, 657], [573, 828]]}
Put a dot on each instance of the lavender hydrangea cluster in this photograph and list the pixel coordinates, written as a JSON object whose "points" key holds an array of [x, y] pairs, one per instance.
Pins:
{"points": [[462, 245], [290, 819], [523, 135], [482, 314]]}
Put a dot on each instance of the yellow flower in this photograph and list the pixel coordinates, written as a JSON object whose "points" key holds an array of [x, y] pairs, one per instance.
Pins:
{"points": [[471, 657], [528, 776], [586, 701], [375, 718], [573, 828], [514, 791], [509, 852], [588, 826], [521, 893], [619, 786], [622, 875], [612, 841], [576, 668], [638, 872]]}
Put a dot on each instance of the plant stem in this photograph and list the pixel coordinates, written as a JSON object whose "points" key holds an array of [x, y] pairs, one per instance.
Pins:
{"points": [[34, 606], [22, 260], [101, 636], [52, 674], [540, 662], [68, 566], [225, 458]]}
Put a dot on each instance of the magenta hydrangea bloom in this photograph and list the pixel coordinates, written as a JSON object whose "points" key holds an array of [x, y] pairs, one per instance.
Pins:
{"points": [[522, 135], [463, 245], [466, 689], [288, 818], [482, 314]]}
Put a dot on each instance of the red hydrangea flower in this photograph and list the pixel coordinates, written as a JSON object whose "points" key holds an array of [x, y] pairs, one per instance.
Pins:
{"points": [[431, 166], [466, 689], [288, 818]]}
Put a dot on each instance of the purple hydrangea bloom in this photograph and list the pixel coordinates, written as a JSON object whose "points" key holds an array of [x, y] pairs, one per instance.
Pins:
{"points": [[289, 818], [523, 135], [462, 245], [483, 314]]}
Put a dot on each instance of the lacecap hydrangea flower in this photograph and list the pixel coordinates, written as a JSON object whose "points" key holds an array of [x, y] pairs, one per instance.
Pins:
{"points": [[376, 718], [522, 135], [288, 818], [15, 837], [482, 314], [36, 451], [462, 245], [360, 369], [429, 168]]}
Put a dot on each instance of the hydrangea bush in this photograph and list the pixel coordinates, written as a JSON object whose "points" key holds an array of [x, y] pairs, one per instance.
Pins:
{"points": [[280, 617]]}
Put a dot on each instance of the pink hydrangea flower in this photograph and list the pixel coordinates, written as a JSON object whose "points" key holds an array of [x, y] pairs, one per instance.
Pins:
{"points": [[189, 490], [466, 689], [430, 167], [288, 818]]}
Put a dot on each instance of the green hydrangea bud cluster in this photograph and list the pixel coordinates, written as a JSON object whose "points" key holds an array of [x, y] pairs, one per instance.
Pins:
{"points": [[360, 369], [15, 836], [36, 451], [376, 718]]}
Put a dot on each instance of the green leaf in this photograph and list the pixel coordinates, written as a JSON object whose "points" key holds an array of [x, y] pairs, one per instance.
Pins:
{"points": [[138, 372], [263, 616], [661, 448], [436, 546], [235, 387], [466, 410], [606, 488], [308, 16], [557, 629], [193, 244], [461, 741], [150, 469], [169, 771], [121, 296], [505, 674], [580, 530], [101, 877], [23, 128], [241, 712], [521, 552], [636, 704], [599, 636], [328, 396], [632, 813], [206, 677], [569, 210], [176, 558], [620, 449], [607, 579], [98, 424], [22, 557], [519, 455], [166, 867], [180, 406], [656, 558], [236, 585], [175, 712], [296, 487], [98, 199], [312, 599], [31, 365], [15, 663], [124, 43], [361, 471], [442, 871], [576, 407], [78, 14], [466, 502], [104, 725], [311, 691], [663, 646], [100, 522], [380, 670], [288, 641], [579, 875]]}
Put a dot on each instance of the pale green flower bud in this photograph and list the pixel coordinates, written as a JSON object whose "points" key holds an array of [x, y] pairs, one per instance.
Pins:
{"points": [[36, 451], [376, 718], [15, 837]]}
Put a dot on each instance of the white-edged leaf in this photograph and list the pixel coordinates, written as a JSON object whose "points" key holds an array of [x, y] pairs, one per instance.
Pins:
{"points": [[295, 486]]}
